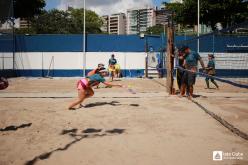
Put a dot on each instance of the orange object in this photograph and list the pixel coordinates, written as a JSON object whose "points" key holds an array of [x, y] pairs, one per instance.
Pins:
{"points": [[92, 72]]}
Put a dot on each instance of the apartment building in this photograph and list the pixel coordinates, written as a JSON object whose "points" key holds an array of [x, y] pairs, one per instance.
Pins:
{"points": [[116, 23], [105, 25], [139, 19], [162, 17]]}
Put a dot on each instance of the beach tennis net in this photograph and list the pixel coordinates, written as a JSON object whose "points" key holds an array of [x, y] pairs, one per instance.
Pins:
{"points": [[230, 49]]}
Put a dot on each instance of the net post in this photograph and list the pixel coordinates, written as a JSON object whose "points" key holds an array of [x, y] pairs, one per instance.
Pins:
{"points": [[170, 59], [146, 67], [146, 58]]}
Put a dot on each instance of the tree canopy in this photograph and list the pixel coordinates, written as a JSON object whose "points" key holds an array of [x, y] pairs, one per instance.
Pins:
{"points": [[226, 12], [64, 22], [157, 29], [28, 8], [93, 21], [22, 8]]}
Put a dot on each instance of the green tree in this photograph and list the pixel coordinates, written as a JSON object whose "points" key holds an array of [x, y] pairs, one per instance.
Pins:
{"points": [[157, 29], [28, 8], [22, 8], [6, 11], [227, 12], [177, 10], [66, 22], [52, 22], [93, 21]]}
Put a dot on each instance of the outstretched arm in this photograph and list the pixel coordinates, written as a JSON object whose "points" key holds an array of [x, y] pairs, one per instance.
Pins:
{"points": [[110, 84]]}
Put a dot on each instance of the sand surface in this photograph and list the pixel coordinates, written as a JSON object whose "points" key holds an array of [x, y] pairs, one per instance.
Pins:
{"points": [[118, 127]]}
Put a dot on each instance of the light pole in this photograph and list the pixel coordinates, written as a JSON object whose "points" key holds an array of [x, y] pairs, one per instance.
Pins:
{"points": [[13, 33], [198, 25], [84, 45]]}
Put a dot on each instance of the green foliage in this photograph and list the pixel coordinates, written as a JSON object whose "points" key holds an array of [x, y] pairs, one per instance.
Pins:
{"points": [[22, 9], [53, 21], [5, 10], [157, 29], [25, 31], [178, 12], [66, 22], [93, 21], [28, 8], [227, 12]]}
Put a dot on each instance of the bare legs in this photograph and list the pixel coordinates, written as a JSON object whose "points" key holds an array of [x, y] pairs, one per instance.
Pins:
{"points": [[82, 95], [189, 89], [212, 80]]}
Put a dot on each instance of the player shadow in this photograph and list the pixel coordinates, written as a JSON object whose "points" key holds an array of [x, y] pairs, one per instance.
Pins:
{"points": [[87, 133], [197, 96], [14, 128], [113, 103], [211, 88], [117, 80], [91, 130], [134, 105], [67, 131]]}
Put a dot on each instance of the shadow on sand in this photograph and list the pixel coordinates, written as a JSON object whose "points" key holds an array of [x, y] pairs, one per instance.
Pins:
{"points": [[87, 133], [112, 103], [14, 128]]}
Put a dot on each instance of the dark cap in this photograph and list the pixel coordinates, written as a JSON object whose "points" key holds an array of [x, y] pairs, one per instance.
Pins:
{"points": [[100, 65], [103, 71], [183, 48], [211, 55], [102, 68]]}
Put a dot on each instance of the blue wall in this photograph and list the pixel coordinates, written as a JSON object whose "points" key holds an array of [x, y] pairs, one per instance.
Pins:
{"points": [[74, 43], [114, 43]]}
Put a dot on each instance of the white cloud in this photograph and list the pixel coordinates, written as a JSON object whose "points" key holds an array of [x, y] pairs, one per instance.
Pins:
{"points": [[103, 7]]}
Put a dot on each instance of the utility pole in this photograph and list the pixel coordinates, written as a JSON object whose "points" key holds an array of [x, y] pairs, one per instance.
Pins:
{"points": [[170, 55]]}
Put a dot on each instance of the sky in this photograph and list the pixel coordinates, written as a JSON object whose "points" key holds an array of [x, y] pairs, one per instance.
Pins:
{"points": [[102, 7]]}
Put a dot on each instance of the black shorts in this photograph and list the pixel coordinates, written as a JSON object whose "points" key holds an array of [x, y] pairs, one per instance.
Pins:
{"points": [[179, 73], [3, 83], [188, 78]]}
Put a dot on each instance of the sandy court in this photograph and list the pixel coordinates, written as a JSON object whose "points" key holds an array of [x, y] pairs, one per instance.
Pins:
{"points": [[118, 127]]}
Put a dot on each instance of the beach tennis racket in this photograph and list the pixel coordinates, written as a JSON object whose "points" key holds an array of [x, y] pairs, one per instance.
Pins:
{"points": [[129, 88]]}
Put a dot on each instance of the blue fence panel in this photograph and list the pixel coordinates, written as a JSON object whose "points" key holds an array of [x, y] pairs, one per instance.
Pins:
{"points": [[49, 43], [115, 43], [6, 43]]}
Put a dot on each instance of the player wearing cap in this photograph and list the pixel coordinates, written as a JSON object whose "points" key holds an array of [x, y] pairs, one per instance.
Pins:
{"points": [[190, 62], [85, 85], [211, 70], [95, 71], [112, 66]]}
